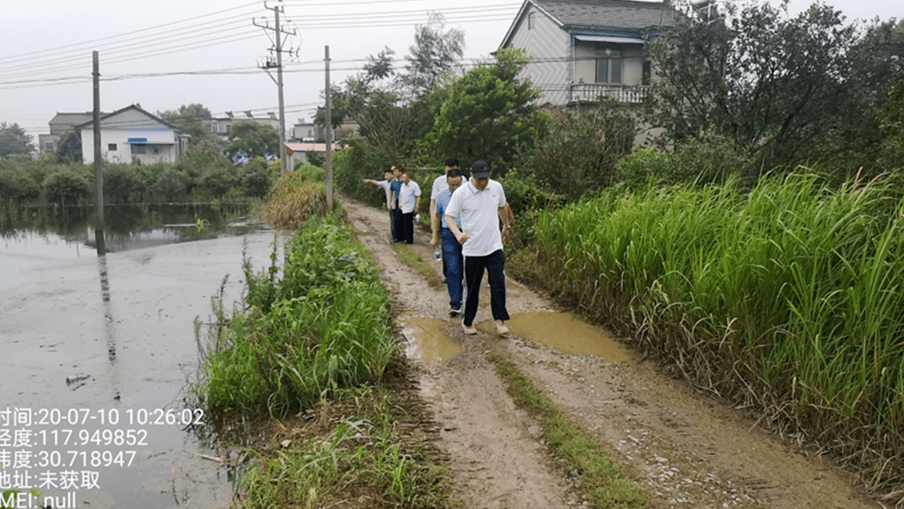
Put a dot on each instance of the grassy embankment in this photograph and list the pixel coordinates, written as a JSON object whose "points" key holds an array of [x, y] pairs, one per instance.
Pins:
{"points": [[315, 335], [786, 299]]}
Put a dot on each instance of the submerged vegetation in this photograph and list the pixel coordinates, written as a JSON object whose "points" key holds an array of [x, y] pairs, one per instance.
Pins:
{"points": [[785, 299]]}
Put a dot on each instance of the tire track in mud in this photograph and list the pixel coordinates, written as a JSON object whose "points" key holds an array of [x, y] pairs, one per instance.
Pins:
{"points": [[686, 450]]}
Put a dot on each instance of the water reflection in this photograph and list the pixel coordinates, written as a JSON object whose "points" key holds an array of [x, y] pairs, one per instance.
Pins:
{"points": [[109, 325], [132, 226]]}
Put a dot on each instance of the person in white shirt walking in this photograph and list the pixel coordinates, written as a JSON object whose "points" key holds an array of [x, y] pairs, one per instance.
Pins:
{"points": [[409, 203], [481, 204]]}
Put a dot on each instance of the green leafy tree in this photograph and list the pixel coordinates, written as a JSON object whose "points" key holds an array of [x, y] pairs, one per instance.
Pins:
{"points": [[583, 147], [69, 148], [772, 84], [489, 115], [191, 119], [891, 119], [15, 141], [250, 139], [433, 54]]}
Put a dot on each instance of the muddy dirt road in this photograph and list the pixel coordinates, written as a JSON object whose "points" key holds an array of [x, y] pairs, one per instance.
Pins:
{"points": [[685, 449]]}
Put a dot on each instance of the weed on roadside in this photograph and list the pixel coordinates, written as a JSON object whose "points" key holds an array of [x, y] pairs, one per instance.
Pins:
{"points": [[367, 447], [602, 482], [413, 260]]}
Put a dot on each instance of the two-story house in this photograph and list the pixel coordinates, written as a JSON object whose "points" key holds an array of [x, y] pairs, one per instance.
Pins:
{"points": [[583, 49], [134, 135], [222, 126], [59, 125]]}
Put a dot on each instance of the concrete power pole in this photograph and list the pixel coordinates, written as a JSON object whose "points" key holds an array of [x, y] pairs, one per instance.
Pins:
{"points": [[98, 162], [269, 64]]}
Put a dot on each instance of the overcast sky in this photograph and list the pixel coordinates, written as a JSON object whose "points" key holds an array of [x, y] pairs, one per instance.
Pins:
{"points": [[168, 53]]}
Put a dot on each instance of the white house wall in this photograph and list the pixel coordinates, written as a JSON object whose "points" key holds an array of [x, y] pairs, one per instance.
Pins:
{"points": [[156, 140], [131, 127], [546, 42]]}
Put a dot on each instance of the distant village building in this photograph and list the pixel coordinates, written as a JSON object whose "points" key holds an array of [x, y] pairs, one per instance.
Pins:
{"points": [[222, 126], [60, 124], [299, 151], [309, 132], [134, 135]]}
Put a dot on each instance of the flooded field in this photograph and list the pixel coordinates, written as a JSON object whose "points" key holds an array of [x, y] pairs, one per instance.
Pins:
{"points": [[97, 356]]}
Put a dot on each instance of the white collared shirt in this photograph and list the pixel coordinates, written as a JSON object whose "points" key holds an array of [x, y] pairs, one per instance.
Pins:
{"points": [[479, 216], [408, 196]]}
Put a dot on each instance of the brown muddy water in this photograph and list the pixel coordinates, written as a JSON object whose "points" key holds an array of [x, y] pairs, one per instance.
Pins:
{"points": [[433, 340], [96, 357]]}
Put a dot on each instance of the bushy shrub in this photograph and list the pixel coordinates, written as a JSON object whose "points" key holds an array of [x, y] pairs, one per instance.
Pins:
{"points": [[16, 184], [171, 185], [311, 172], [121, 183], [713, 160], [361, 161], [67, 186], [579, 151]]}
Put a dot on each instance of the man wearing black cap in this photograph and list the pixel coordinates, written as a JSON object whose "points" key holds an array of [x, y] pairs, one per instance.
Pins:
{"points": [[481, 204]]}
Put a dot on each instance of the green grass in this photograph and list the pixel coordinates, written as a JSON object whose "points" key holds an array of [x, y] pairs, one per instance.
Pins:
{"points": [[787, 297], [364, 457], [410, 258], [603, 483], [321, 324]]}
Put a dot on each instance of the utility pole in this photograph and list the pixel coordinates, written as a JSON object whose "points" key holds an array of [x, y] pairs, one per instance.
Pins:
{"points": [[329, 133], [98, 164], [269, 64]]}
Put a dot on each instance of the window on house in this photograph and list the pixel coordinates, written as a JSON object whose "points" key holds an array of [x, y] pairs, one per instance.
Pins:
{"points": [[48, 147], [531, 21], [609, 65], [139, 149], [111, 147], [647, 76]]}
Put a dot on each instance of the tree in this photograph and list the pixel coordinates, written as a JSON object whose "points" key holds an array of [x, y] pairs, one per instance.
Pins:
{"points": [[69, 148], [773, 85], [15, 141], [190, 118], [583, 145], [488, 115], [433, 54], [250, 139]]}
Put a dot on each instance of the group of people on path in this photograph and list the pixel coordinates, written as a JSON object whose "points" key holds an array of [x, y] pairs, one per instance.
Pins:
{"points": [[465, 217]]}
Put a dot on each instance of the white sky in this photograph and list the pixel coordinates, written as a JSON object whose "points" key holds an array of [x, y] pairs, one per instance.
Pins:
{"points": [[167, 53]]}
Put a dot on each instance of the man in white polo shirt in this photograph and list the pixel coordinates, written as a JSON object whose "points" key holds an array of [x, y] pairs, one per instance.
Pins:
{"points": [[481, 204]]}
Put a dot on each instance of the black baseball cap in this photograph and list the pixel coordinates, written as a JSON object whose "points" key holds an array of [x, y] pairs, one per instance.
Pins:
{"points": [[480, 169]]}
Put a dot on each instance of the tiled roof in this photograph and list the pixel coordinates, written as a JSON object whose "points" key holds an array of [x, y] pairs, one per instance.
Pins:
{"points": [[614, 14]]}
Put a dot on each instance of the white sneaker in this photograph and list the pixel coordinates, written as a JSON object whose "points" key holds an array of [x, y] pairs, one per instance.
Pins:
{"points": [[470, 330], [501, 329]]}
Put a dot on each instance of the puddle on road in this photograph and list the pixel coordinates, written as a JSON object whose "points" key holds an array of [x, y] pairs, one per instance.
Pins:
{"points": [[436, 340], [567, 333], [430, 339]]}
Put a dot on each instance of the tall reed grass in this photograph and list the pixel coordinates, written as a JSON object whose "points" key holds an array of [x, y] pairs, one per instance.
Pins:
{"points": [[323, 325], [786, 299]]}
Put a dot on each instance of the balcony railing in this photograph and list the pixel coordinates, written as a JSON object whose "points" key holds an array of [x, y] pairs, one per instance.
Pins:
{"points": [[621, 93]]}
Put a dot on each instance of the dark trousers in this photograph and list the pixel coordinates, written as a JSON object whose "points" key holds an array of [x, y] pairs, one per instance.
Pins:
{"points": [[494, 264], [452, 262], [393, 230], [396, 218], [407, 234]]}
